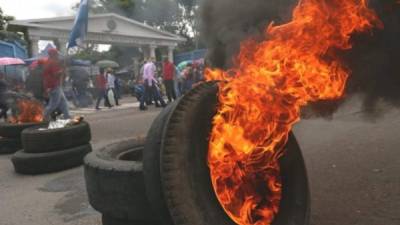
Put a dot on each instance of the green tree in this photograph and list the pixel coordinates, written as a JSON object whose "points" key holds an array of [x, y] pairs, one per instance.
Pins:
{"points": [[10, 34], [176, 16], [4, 19]]}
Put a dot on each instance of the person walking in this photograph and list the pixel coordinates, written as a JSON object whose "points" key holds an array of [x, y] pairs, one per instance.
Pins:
{"points": [[150, 85], [3, 103], [111, 84], [168, 77], [53, 75], [188, 78], [117, 84], [101, 86]]}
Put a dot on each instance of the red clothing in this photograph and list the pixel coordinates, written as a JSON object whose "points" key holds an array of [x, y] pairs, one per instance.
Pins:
{"points": [[101, 82], [168, 71], [51, 74]]}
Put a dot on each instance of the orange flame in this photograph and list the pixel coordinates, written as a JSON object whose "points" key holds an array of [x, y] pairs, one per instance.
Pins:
{"points": [[29, 111], [261, 99]]}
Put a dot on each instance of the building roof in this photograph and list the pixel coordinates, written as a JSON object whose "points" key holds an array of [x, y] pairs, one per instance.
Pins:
{"points": [[109, 23]]}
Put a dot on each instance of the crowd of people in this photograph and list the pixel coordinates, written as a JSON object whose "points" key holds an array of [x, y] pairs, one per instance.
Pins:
{"points": [[152, 83], [150, 86], [51, 93]]}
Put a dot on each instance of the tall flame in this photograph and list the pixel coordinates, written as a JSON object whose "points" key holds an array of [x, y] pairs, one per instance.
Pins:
{"points": [[261, 97]]}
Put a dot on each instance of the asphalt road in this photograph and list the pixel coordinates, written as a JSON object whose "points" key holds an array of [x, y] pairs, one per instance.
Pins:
{"points": [[353, 166]]}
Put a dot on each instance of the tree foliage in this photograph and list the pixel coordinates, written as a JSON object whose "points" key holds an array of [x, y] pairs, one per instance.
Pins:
{"points": [[176, 16], [4, 19], [7, 34]]}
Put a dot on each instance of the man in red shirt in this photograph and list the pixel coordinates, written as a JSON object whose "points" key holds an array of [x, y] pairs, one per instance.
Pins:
{"points": [[52, 76], [168, 76], [101, 85]]}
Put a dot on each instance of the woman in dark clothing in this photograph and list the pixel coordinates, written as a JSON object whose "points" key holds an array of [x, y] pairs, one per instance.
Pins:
{"points": [[3, 104], [189, 78]]}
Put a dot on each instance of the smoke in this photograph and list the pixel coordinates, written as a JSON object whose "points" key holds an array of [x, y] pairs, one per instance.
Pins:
{"points": [[374, 59], [226, 23]]}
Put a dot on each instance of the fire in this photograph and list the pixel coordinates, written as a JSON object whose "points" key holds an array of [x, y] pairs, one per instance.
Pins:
{"points": [[29, 111], [261, 98]]}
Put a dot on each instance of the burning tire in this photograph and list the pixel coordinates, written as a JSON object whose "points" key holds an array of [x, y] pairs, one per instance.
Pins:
{"points": [[11, 130], [9, 145], [40, 163], [43, 141], [115, 186], [185, 177]]}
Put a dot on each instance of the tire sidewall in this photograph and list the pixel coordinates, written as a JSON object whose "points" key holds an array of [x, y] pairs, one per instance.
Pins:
{"points": [[185, 176], [44, 141]]}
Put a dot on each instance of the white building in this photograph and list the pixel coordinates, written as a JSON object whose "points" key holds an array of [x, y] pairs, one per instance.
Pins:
{"points": [[108, 28]]}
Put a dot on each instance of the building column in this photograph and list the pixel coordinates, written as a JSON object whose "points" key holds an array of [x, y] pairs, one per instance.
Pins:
{"points": [[34, 46], [153, 51], [63, 46], [146, 52], [136, 67], [171, 53]]}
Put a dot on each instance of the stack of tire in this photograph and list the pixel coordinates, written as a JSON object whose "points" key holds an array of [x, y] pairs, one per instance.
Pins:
{"points": [[10, 136], [177, 177], [52, 150], [115, 184]]}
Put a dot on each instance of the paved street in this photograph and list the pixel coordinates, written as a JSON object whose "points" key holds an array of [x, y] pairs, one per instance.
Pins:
{"points": [[353, 168], [60, 198]]}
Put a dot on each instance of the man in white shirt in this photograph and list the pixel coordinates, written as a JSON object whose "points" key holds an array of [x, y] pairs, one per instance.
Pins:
{"points": [[150, 85], [149, 73], [111, 84], [110, 80]]}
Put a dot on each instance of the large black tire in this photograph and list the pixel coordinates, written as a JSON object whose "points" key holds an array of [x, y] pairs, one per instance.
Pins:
{"points": [[151, 165], [114, 182], [9, 145], [11, 130], [40, 163], [43, 141], [185, 179]]}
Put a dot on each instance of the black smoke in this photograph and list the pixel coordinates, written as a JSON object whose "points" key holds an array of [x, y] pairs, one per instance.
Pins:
{"points": [[226, 23], [374, 59]]}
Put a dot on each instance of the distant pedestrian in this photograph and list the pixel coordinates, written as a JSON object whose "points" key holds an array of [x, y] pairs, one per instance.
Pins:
{"points": [[198, 74], [111, 84], [53, 75], [3, 103], [101, 86], [150, 85], [189, 77], [117, 87], [168, 77]]}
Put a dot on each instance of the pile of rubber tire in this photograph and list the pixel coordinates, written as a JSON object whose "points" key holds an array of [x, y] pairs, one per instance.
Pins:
{"points": [[115, 184], [171, 184], [10, 136], [52, 150], [177, 177]]}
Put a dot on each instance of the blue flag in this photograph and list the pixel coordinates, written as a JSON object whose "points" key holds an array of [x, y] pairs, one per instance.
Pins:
{"points": [[79, 30]]}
